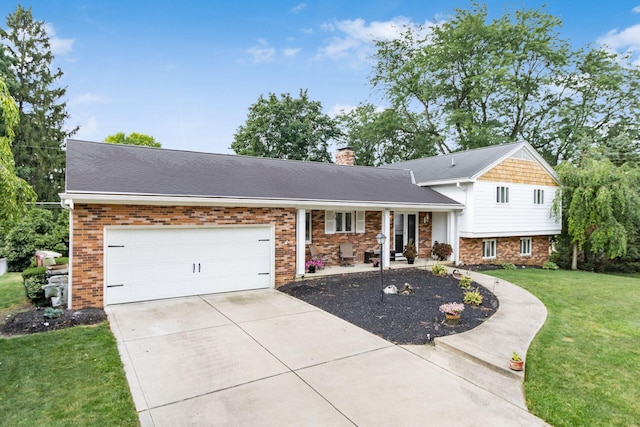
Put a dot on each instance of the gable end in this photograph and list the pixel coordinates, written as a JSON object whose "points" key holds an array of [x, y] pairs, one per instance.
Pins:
{"points": [[519, 171]]}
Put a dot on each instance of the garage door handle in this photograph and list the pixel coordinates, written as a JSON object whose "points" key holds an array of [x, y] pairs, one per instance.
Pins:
{"points": [[198, 267], [115, 286], [263, 274], [194, 267]]}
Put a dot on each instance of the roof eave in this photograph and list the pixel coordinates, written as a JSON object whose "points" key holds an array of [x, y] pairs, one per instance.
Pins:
{"points": [[172, 200]]}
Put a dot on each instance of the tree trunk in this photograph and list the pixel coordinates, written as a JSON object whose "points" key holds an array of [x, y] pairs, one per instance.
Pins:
{"points": [[574, 258]]}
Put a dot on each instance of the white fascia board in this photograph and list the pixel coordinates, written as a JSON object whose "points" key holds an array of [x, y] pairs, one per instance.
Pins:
{"points": [[159, 200], [527, 233], [446, 182]]}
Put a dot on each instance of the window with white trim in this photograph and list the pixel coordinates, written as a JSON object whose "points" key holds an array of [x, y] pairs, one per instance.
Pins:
{"points": [[307, 227], [525, 246], [489, 248], [502, 195], [344, 222], [538, 196]]}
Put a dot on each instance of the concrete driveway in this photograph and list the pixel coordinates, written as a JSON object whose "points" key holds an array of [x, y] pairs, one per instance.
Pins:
{"points": [[265, 358]]}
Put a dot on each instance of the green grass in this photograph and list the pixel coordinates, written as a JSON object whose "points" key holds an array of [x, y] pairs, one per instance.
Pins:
{"points": [[11, 291], [64, 378], [582, 368]]}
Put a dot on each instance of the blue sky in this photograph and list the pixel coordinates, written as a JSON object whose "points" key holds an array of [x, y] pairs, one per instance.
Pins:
{"points": [[187, 72]]}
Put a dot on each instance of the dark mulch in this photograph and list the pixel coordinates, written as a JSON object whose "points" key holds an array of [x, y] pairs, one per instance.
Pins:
{"points": [[33, 320], [402, 319]]}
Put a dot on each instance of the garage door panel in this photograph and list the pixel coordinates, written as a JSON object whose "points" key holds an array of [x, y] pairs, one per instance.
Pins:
{"points": [[144, 264]]}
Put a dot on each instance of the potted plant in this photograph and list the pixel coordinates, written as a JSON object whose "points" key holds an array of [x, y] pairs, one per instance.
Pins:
{"points": [[516, 363], [452, 311], [314, 264], [441, 250], [410, 252]]}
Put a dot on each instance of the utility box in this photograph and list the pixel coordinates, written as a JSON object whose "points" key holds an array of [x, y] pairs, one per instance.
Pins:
{"points": [[3, 266]]}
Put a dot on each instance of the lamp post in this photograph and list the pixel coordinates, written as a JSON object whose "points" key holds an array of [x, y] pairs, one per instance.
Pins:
{"points": [[381, 238]]}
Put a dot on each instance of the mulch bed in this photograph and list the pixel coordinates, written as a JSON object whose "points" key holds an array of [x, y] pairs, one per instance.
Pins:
{"points": [[33, 320], [401, 319]]}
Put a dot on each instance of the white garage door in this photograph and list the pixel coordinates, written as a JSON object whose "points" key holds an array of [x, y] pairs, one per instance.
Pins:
{"points": [[146, 264]]}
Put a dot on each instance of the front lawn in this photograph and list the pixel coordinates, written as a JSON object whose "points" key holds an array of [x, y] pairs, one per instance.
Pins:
{"points": [[582, 367], [61, 378]]}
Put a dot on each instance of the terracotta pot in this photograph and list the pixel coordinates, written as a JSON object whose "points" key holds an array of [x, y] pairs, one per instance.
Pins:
{"points": [[516, 365], [452, 318]]}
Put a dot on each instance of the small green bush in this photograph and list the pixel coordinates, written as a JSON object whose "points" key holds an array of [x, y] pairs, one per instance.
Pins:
{"points": [[439, 270], [473, 297], [508, 266], [34, 278], [550, 266], [465, 282], [52, 313]]}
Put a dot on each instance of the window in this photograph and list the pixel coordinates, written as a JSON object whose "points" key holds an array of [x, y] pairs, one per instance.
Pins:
{"points": [[307, 227], [502, 195], [344, 222], [538, 196], [488, 249], [525, 246]]}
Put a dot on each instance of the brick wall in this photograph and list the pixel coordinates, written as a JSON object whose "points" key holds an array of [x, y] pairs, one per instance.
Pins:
{"points": [[519, 171], [329, 244], [507, 250], [88, 233]]}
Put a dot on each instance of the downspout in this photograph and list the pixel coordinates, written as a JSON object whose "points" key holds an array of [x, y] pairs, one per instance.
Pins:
{"points": [[464, 209], [67, 204]]}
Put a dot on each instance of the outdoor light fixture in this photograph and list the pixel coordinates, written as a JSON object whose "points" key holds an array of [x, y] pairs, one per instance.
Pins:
{"points": [[381, 238]]}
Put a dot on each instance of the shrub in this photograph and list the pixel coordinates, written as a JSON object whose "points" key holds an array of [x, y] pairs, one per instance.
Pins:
{"points": [[465, 282], [34, 278], [442, 250], [451, 308], [508, 266], [52, 313], [36, 230], [439, 270], [473, 297], [550, 266]]}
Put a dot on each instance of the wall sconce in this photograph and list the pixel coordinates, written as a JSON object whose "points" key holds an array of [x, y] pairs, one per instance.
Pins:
{"points": [[427, 217]]}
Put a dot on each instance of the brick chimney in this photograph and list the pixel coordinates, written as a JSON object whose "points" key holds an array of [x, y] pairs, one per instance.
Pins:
{"points": [[345, 156]]}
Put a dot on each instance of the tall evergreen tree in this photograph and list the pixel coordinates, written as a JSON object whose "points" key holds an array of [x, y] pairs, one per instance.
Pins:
{"points": [[40, 134]]}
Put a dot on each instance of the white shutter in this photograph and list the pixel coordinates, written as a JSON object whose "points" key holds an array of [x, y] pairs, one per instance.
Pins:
{"points": [[360, 222], [329, 222]]}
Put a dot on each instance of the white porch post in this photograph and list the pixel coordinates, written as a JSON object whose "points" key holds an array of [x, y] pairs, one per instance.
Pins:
{"points": [[386, 230], [300, 241], [452, 235]]}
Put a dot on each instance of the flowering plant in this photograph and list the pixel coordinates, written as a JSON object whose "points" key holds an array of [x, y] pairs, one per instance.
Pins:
{"points": [[452, 308], [316, 263]]}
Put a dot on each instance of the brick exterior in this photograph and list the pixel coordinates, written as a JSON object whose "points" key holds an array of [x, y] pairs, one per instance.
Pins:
{"points": [[507, 250], [329, 244], [88, 235], [346, 156], [519, 171]]}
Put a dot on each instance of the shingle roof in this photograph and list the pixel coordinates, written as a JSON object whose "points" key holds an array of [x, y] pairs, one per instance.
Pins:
{"points": [[456, 166], [100, 168]]}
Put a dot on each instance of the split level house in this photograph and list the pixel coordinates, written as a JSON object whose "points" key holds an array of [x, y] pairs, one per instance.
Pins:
{"points": [[149, 223]]}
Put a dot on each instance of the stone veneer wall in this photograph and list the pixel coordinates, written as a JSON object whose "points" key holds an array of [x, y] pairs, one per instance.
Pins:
{"points": [[507, 250], [88, 237]]}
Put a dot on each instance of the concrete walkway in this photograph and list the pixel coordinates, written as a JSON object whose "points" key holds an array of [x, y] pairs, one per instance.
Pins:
{"points": [[265, 358]]}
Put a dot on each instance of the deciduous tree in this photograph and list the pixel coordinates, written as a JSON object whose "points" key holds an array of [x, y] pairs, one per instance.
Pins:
{"points": [[286, 128], [133, 138]]}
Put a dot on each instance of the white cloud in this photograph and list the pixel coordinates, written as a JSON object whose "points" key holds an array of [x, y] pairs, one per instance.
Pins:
{"points": [[298, 8], [89, 130], [339, 109], [86, 98], [355, 38], [262, 52], [636, 9], [291, 51], [307, 31], [59, 46], [626, 41]]}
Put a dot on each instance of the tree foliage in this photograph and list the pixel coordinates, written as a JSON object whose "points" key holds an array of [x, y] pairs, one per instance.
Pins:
{"points": [[40, 134], [286, 128], [382, 137], [15, 193], [600, 205], [133, 138], [477, 83]]}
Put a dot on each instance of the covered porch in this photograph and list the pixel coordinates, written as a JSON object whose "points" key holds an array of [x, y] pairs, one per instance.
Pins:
{"points": [[360, 267]]}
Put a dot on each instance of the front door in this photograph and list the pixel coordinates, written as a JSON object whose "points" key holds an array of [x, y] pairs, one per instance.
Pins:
{"points": [[405, 228]]}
